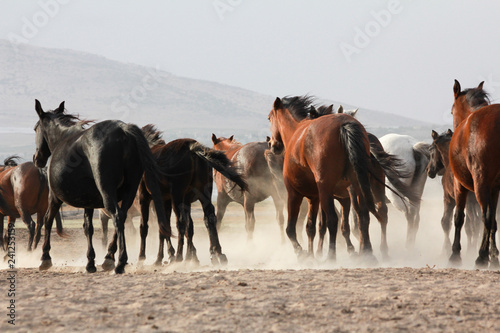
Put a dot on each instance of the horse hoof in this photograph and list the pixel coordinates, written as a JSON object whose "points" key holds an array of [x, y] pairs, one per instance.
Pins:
{"points": [[158, 262], [91, 268], [481, 262], [45, 265], [222, 259], [214, 260], [455, 260], [494, 264], [369, 259], [108, 264], [120, 269]]}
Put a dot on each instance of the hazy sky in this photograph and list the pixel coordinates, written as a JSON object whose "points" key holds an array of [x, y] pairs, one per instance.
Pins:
{"points": [[394, 56]]}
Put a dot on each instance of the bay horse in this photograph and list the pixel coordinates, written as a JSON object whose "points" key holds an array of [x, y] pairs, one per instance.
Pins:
{"points": [[24, 192], [323, 158], [475, 163], [251, 162], [439, 165], [94, 167], [186, 177], [415, 157], [392, 168]]}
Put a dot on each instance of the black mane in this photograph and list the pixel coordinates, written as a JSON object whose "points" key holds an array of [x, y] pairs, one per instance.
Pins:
{"points": [[299, 106], [477, 98], [11, 161]]}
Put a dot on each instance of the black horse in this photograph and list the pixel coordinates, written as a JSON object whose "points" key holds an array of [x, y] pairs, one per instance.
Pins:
{"points": [[186, 167], [94, 167]]}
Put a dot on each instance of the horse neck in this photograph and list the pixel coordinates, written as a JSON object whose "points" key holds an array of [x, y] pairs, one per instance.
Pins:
{"points": [[444, 151], [460, 113], [59, 134], [287, 125]]}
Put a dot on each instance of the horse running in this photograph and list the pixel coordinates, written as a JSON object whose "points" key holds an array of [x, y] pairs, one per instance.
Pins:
{"points": [[475, 163], [323, 158], [439, 165], [94, 167], [24, 192], [415, 157], [251, 162], [186, 167]]}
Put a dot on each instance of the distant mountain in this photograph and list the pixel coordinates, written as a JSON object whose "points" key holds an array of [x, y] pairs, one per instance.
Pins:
{"points": [[98, 88]]}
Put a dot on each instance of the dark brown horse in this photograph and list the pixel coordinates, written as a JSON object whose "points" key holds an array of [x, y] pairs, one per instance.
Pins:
{"points": [[323, 158], [439, 165], [24, 192], [186, 167], [251, 162], [475, 163]]}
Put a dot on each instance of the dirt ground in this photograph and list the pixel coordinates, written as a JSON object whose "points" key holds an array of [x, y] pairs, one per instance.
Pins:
{"points": [[262, 289]]}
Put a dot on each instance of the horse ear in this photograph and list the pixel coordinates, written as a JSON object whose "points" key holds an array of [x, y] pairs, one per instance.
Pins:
{"points": [[278, 104], [60, 109], [353, 113], [329, 109], [231, 138], [214, 139], [456, 88], [449, 132], [38, 108], [480, 86], [435, 135], [340, 109]]}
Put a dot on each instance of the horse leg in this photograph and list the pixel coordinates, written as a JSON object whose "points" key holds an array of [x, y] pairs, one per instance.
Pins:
{"points": [[365, 246], [492, 216], [222, 201], [54, 205], [293, 206], [104, 223], [170, 249], [311, 224], [322, 232], [344, 227], [412, 216], [109, 259], [88, 228], [3, 239], [331, 219], [30, 224], [304, 209], [180, 213], [191, 250], [216, 255], [145, 201], [449, 205], [460, 201], [280, 218], [249, 205]]}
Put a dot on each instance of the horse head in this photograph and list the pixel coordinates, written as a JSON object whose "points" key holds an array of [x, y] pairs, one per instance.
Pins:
{"points": [[222, 143], [42, 150], [467, 101], [276, 143], [438, 149]]}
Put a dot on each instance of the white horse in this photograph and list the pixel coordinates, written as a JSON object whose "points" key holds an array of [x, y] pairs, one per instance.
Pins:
{"points": [[415, 156]]}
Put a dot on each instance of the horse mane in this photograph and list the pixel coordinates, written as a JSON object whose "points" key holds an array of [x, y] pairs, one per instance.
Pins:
{"points": [[67, 119], [153, 135], [298, 106], [11, 161], [476, 98]]}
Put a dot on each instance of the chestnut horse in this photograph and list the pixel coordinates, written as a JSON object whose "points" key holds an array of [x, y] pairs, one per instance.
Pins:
{"points": [[186, 167], [439, 165], [475, 163], [323, 158], [24, 192], [251, 162]]}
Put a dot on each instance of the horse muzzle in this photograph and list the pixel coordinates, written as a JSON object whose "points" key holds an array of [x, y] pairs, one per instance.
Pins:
{"points": [[39, 160]]}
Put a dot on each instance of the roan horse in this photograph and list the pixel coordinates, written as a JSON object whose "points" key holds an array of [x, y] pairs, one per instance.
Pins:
{"points": [[94, 167], [415, 156], [186, 167], [24, 192], [251, 162], [475, 163], [439, 165], [324, 157]]}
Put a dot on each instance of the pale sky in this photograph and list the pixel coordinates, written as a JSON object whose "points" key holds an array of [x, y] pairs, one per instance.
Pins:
{"points": [[394, 56]]}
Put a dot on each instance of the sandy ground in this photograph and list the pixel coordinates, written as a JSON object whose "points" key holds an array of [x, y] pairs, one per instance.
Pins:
{"points": [[262, 289]]}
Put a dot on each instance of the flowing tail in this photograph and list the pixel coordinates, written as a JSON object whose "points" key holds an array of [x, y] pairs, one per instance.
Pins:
{"points": [[219, 161], [354, 142], [152, 174]]}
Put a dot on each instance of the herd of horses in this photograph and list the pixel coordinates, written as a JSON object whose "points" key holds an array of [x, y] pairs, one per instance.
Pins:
{"points": [[313, 153]]}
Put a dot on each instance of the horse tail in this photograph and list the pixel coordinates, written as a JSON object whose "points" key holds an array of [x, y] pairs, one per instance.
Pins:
{"points": [[219, 161], [353, 138], [393, 169], [152, 174]]}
